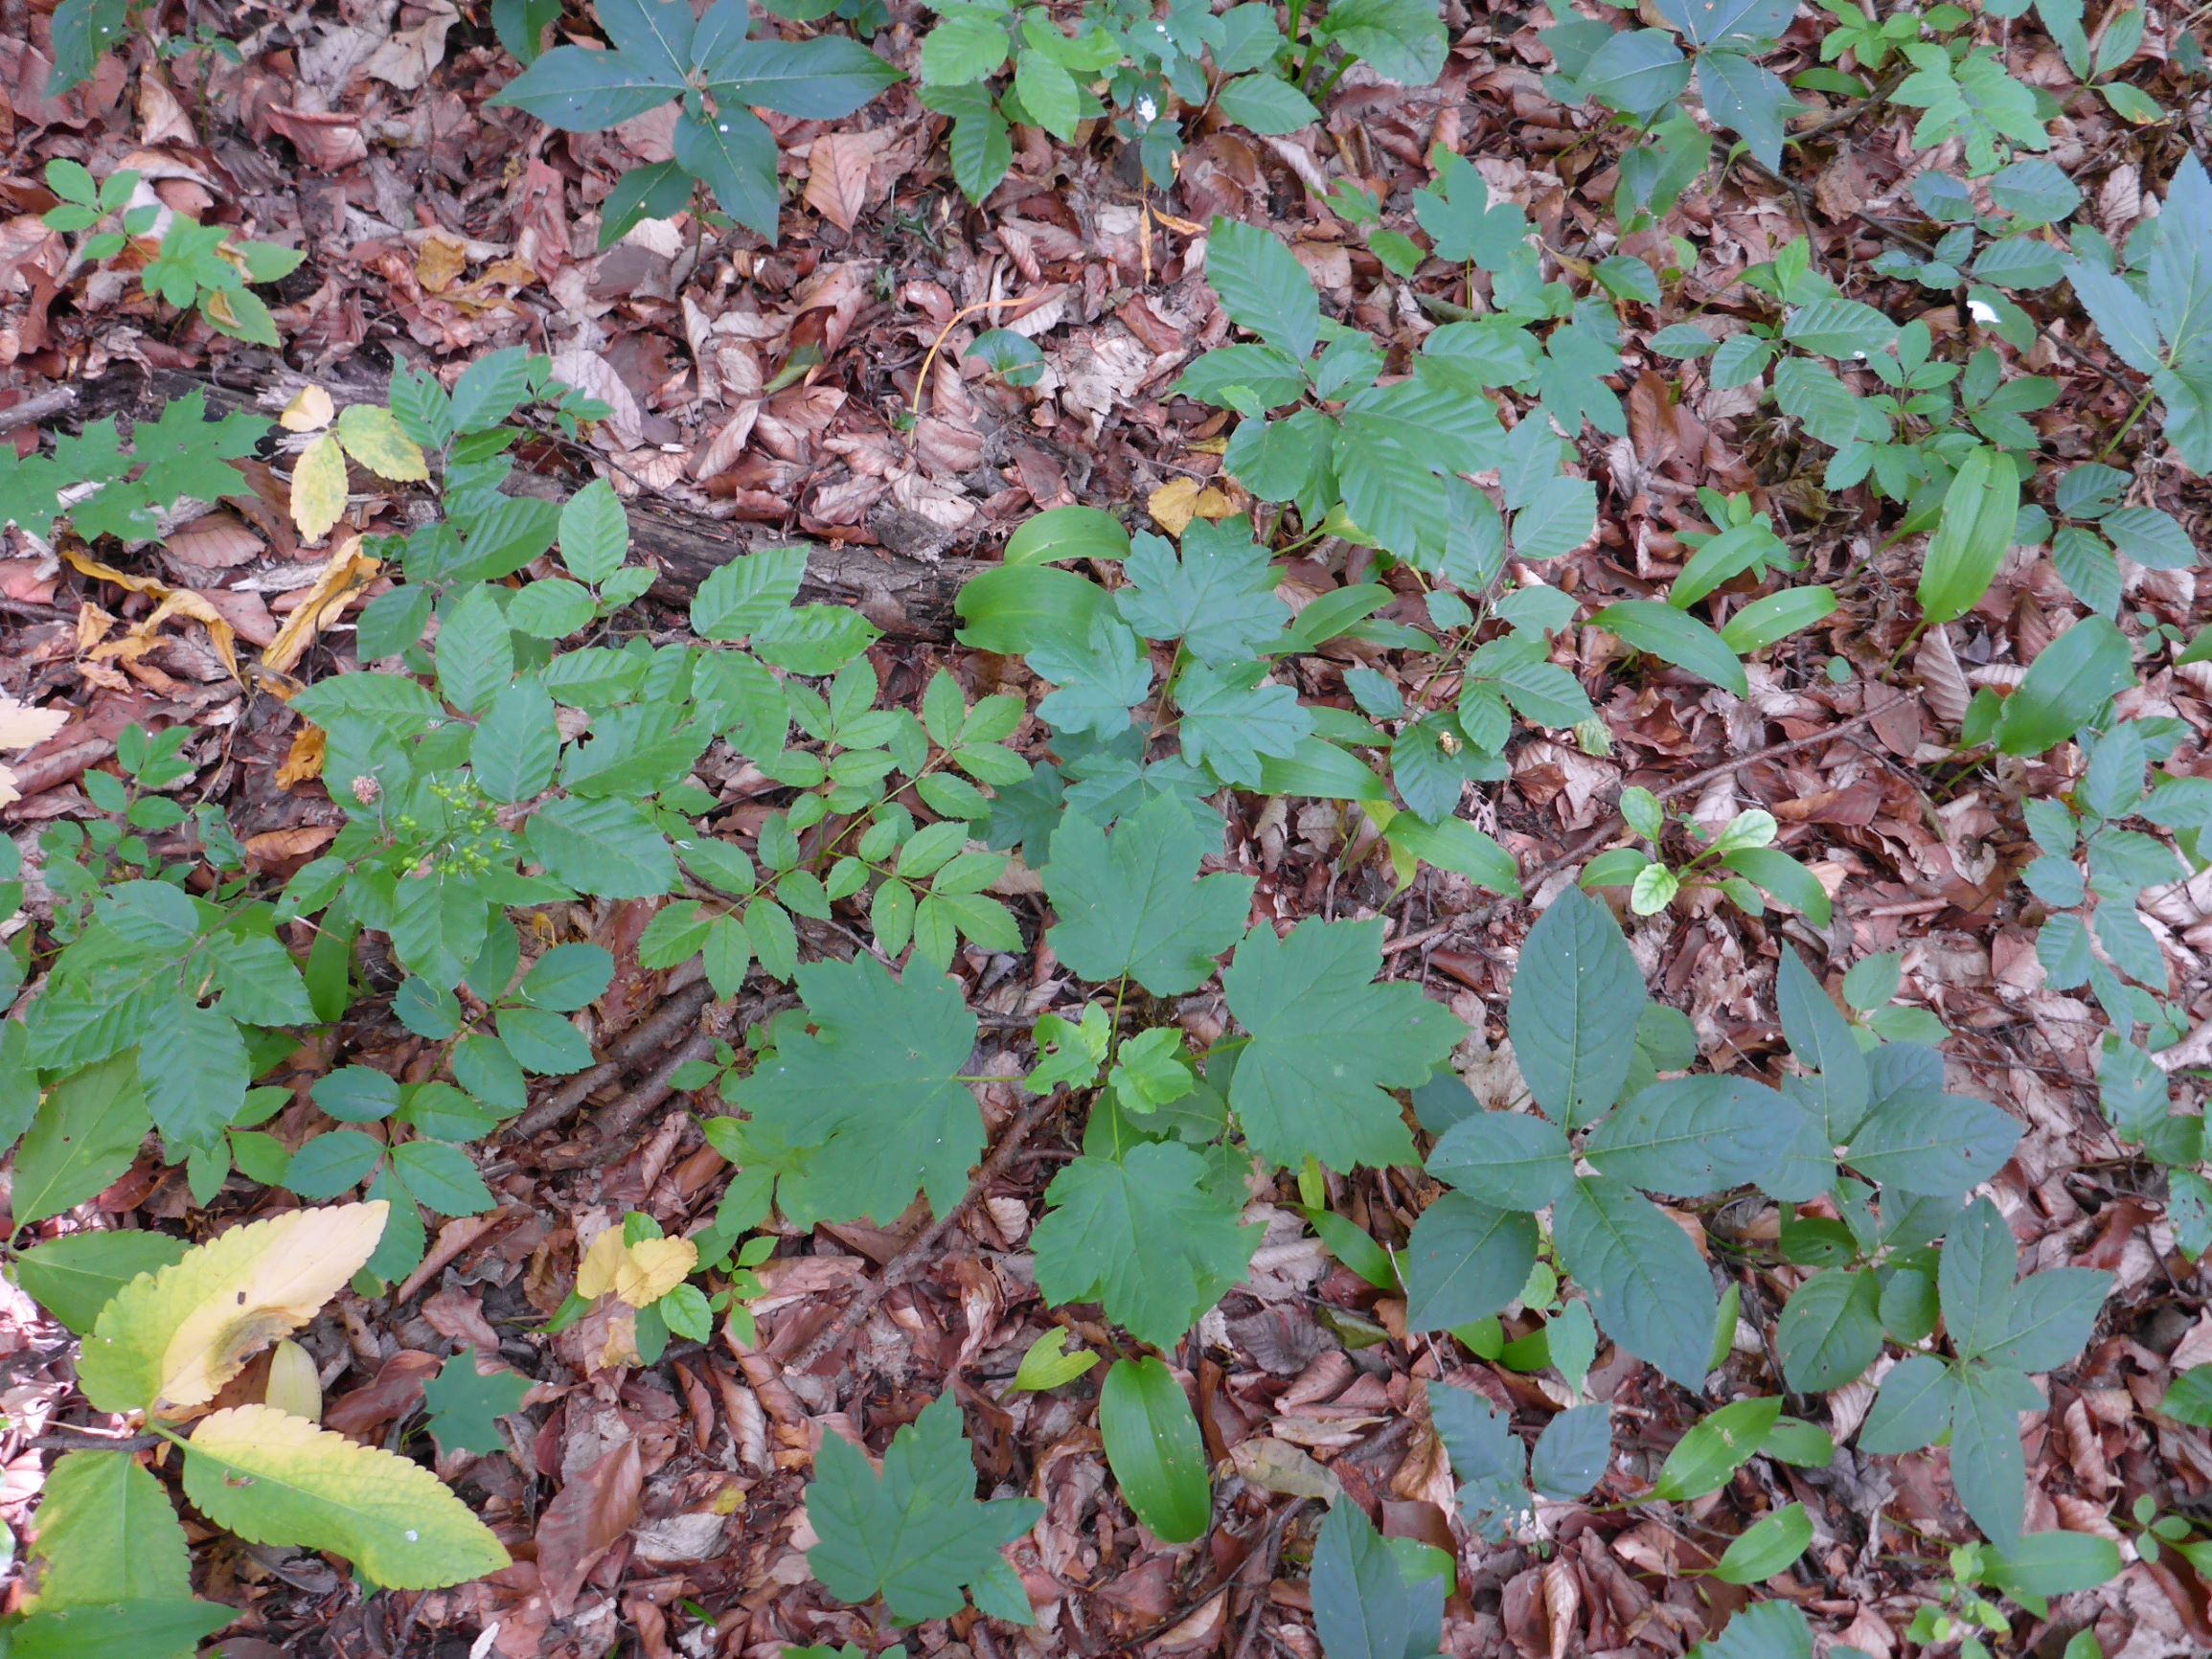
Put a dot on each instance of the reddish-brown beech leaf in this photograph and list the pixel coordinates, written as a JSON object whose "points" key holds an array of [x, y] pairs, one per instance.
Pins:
{"points": [[591, 1514]]}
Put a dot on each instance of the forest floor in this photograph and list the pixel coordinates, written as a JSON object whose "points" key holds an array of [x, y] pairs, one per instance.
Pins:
{"points": [[759, 396]]}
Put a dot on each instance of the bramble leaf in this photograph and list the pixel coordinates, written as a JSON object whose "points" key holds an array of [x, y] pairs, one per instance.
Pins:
{"points": [[1133, 903], [1313, 1087], [867, 1101], [915, 1534], [273, 1478]]}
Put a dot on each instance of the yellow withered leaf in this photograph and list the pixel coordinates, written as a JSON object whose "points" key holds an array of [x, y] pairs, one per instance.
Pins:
{"points": [[372, 436], [309, 412], [344, 574], [169, 1340], [174, 602], [319, 488], [271, 1478], [639, 1273], [303, 763]]}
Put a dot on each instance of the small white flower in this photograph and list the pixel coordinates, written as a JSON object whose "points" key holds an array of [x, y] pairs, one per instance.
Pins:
{"points": [[1147, 110], [1981, 312], [1859, 357]]}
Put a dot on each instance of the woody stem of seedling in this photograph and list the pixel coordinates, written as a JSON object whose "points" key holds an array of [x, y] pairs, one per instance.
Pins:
{"points": [[921, 379]]}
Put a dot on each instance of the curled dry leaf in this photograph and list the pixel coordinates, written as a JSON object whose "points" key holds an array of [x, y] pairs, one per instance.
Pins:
{"points": [[1563, 1601], [346, 573], [310, 411], [1942, 680]]}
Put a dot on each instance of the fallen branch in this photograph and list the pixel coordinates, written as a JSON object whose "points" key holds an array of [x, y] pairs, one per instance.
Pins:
{"points": [[680, 1010], [833, 1335], [615, 1124], [906, 596]]}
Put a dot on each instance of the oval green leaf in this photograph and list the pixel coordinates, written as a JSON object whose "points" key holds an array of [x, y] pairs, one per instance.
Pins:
{"points": [[1666, 633], [1972, 537], [1152, 1447], [1764, 622], [1767, 1548]]}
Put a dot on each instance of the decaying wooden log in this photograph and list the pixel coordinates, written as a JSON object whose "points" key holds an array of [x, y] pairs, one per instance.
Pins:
{"points": [[906, 596]]}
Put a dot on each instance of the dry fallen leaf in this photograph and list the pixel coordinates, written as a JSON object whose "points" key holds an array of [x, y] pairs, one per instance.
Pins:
{"points": [[23, 727], [174, 602], [1174, 504], [838, 178]]}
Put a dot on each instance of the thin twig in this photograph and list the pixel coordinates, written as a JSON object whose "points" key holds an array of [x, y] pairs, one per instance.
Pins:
{"points": [[929, 357], [55, 401], [830, 1336], [68, 1437]]}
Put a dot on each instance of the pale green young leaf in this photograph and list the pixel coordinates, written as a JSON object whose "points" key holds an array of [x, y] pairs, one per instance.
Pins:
{"points": [[1972, 536], [1715, 1448], [1767, 1548], [1047, 1365], [1154, 1448]]}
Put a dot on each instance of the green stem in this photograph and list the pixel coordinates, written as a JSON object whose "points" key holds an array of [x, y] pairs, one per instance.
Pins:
{"points": [[1918, 628], [1329, 85], [2129, 425]]}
